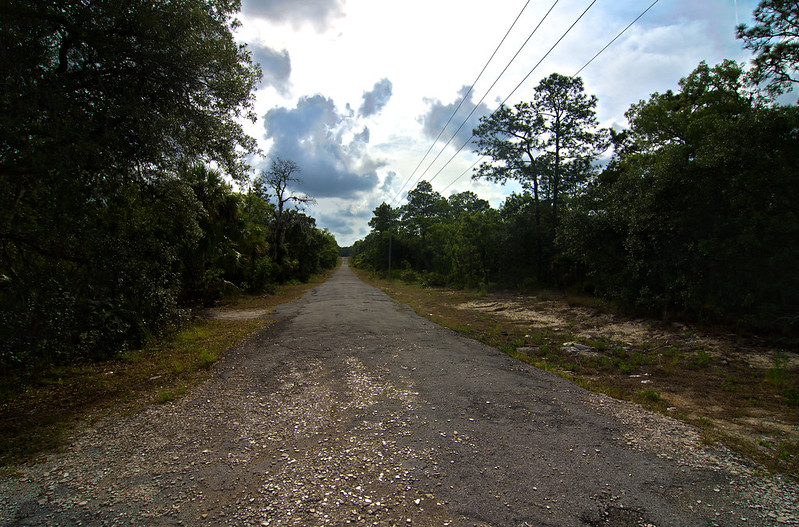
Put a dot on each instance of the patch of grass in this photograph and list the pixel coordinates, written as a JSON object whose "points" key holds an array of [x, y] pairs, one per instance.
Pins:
{"points": [[650, 395], [791, 396], [730, 384], [787, 451], [207, 358], [700, 359], [777, 375], [674, 354], [166, 396]]}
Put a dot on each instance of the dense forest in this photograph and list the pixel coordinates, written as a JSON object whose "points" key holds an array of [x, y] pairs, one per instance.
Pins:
{"points": [[694, 215], [120, 151]]}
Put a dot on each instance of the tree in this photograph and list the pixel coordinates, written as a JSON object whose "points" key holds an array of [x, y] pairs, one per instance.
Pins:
{"points": [[509, 138], [466, 202], [383, 222], [384, 218], [424, 208], [547, 145], [697, 212], [273, 184], [775, 42], [102, 106]]}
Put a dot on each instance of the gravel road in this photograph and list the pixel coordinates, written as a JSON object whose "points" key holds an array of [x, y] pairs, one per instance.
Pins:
{"points": [[353, 410]]}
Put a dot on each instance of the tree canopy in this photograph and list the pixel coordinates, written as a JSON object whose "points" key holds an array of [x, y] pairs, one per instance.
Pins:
{"points": [[694, 216], [111, 113], [775, 41]]}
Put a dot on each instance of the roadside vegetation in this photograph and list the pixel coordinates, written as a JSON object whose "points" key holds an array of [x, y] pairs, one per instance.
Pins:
{"points": [[128, 204], [692, 218], [126, 194], [688, 213], [739, 389], [39, 409]]}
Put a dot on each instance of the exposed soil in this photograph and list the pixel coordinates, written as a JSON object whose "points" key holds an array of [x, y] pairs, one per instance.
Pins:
{"points": [[730, 387], [351, 409], [234, 314]]}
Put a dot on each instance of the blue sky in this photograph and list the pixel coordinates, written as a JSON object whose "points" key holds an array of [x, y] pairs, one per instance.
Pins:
{"points": [[356, 91]]}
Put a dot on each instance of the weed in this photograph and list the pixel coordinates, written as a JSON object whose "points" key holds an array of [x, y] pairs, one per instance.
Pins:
{"points": [[674, 354], [778, 375], [508, 349], [178, 366], [730, 384], [650, 395], [707, 437], [207, 359], [791, 396], [787, 451], [166, 396], [700, 359]]}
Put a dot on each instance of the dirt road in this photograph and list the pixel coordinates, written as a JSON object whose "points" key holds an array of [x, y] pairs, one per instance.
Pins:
{"points": [[352, 409]]}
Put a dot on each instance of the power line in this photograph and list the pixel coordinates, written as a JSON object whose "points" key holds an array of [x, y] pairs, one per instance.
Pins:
{"points": [[577, 73], [483, 98], [463, 99], [623, 31], [476, 105], [547, 53], [517, 87], [463, 174]]}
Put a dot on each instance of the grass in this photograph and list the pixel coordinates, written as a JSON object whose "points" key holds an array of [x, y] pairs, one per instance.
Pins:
{"points": [[668, 371], [39, 411], [166, 396]]}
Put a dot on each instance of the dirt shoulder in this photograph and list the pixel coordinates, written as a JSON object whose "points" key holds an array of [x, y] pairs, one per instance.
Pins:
{"points": [[352, 409]]}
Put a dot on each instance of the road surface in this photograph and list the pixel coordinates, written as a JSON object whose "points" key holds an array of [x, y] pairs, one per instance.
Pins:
{"points": [[352, 409]]}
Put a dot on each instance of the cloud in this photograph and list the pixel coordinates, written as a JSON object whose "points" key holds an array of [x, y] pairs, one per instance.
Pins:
{"points": [[347, 221], [275, 65], [333, 160], [318, 13], [375, 100], [388, 184], [438, 113]]}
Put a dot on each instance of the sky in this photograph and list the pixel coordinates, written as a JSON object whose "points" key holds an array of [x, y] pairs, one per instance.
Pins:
{"points": [[357, 91]]}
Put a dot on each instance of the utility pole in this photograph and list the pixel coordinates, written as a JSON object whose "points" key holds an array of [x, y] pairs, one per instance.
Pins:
{"points": [[390, 232]]}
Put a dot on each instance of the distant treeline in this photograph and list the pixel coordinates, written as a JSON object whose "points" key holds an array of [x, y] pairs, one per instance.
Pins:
{"points": [[112, 219], [696, 214]]}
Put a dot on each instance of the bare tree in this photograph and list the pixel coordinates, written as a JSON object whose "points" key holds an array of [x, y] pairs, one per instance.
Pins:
{"points": [[273, 185]]}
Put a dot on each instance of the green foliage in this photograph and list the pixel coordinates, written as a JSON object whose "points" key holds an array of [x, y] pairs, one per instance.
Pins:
{"points": [[650, 395], [110, 222], [777, 375], [166, 396], [791, 396], [696, 213], [103, 105], [773, 40], [700, 359]]}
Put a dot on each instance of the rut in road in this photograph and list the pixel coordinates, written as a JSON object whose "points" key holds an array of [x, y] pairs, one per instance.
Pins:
{"points": [[354, 410]]}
